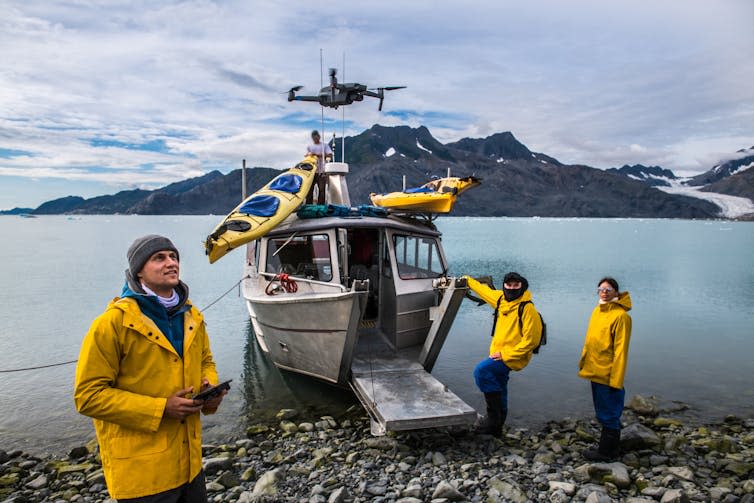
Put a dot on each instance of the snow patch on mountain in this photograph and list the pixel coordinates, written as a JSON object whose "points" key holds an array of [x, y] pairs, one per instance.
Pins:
{"points": [[742, 168], [422, 146], [389, 152], [730, 206]]}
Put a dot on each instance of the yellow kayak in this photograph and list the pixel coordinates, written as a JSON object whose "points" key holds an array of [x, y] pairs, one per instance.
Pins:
{"points": [[263, 210], [437, 196]]}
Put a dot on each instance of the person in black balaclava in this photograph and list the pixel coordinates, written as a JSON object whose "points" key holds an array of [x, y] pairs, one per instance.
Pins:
{"points": [[514, 279], [515, 334]]}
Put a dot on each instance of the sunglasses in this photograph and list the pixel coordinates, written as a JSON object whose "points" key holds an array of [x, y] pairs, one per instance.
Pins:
{"points": [[605, 290]]}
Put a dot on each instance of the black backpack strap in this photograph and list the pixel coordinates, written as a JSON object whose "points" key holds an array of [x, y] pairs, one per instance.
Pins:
{"points": [[494, 315], [521, 306]]}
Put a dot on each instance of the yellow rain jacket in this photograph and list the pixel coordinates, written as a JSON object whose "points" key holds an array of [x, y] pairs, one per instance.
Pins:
{"points": [[126, 370], [605, 353], [515, 346]]}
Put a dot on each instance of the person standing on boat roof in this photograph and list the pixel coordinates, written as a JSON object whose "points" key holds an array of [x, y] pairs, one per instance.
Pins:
{"points": [[517, 332], [603, 362], [323, 152], [138, 365]]}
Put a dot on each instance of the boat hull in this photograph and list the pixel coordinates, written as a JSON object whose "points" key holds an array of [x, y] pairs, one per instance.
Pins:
{"points": [[311, 335]]}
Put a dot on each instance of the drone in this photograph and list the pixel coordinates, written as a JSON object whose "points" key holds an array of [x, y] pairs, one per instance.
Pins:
{"points": [[336, 95]]}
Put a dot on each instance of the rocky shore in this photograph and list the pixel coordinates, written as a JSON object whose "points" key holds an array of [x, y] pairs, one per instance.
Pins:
{"points": [[665, 458]]}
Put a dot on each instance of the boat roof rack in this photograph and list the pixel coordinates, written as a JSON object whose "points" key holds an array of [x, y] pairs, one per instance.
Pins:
{"points": [[403, 223]]}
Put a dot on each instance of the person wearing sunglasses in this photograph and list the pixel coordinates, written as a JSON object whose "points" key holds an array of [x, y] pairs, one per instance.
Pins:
{"points": [[603, 362]]}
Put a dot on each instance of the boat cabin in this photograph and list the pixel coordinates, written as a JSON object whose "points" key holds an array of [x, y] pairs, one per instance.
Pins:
{"points": [[398, 261]]}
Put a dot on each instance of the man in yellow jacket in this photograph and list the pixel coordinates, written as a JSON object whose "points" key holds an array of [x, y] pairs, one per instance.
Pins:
{"points": [[516, 333], [139, 363], [603, 362]]}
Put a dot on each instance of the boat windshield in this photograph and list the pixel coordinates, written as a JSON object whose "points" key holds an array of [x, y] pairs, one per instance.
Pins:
{"points": [[417, 257], [303, 256]]}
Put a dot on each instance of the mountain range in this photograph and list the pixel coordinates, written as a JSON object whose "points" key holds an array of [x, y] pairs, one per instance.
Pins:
{"points": [[515, 181]]}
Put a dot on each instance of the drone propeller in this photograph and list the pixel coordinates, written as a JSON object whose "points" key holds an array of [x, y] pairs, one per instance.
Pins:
{"points": [[387, 88], [292, 92]]}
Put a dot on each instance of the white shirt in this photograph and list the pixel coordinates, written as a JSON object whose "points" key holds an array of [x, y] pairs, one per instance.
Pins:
{"points": [[318, 149]]}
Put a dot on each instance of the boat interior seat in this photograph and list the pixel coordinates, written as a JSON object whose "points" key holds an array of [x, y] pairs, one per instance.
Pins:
{"points": [[362, 272], [307, 271]]}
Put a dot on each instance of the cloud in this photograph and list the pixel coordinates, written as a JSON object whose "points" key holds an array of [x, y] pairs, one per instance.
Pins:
{"points": [[243, 79], [586, 82]]}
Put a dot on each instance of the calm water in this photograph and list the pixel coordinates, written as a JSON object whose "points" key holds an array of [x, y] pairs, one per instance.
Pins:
{"points": [[692, 285]]}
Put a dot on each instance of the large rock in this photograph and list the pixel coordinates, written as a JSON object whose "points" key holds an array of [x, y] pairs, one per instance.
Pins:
{"points": [[616, 473], [447, 491], [288, 427], [643, 405], [339, 495], [674, 496], [257, 429], [78, 452], [598, 497], [438, 459], [10, 479], [37, 483], [228, 480], [724, 444], [380, 443], [739, 468], [284, 414], [637, 437], [83, 467], [568, 488], [508, 491], [748, 486], [682, 472], [214, 465], [267, 485]]}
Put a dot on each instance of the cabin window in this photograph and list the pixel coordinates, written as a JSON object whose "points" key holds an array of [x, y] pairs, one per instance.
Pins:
{"points": [[417, 257], [303, 256]]}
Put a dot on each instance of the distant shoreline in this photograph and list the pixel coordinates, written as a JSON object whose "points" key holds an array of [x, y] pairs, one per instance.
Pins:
{"points": [[743, 218]]}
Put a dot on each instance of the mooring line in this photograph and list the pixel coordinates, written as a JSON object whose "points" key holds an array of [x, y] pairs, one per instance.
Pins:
{"points": [[60, 364]]}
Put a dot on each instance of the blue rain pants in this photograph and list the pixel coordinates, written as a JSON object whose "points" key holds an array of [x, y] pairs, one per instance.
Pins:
{"points": [[608, 404], [492, 376]]}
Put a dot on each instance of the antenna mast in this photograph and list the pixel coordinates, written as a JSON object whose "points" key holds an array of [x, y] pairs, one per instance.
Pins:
{"points": [[343, 120]]}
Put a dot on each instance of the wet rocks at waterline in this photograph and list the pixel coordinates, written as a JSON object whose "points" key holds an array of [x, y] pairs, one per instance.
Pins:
{"points": [[328, 460]]}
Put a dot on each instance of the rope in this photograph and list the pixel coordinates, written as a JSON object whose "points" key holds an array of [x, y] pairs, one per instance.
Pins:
{"points": [[226, 293], [39, 367], [286, 283], [60, 364]]}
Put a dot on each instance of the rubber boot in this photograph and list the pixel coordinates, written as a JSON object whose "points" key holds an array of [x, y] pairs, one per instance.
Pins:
{"points": [[608, 449], [492, 423]]}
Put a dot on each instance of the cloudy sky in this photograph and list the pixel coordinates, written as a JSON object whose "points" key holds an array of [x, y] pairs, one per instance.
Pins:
{"points": [[100, 96]]}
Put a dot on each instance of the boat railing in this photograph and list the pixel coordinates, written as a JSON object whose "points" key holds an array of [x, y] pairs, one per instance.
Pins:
{"points": [[271, 275]]}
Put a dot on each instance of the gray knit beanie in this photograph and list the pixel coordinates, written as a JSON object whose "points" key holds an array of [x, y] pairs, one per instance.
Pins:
{"points": [[143, 248]]}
